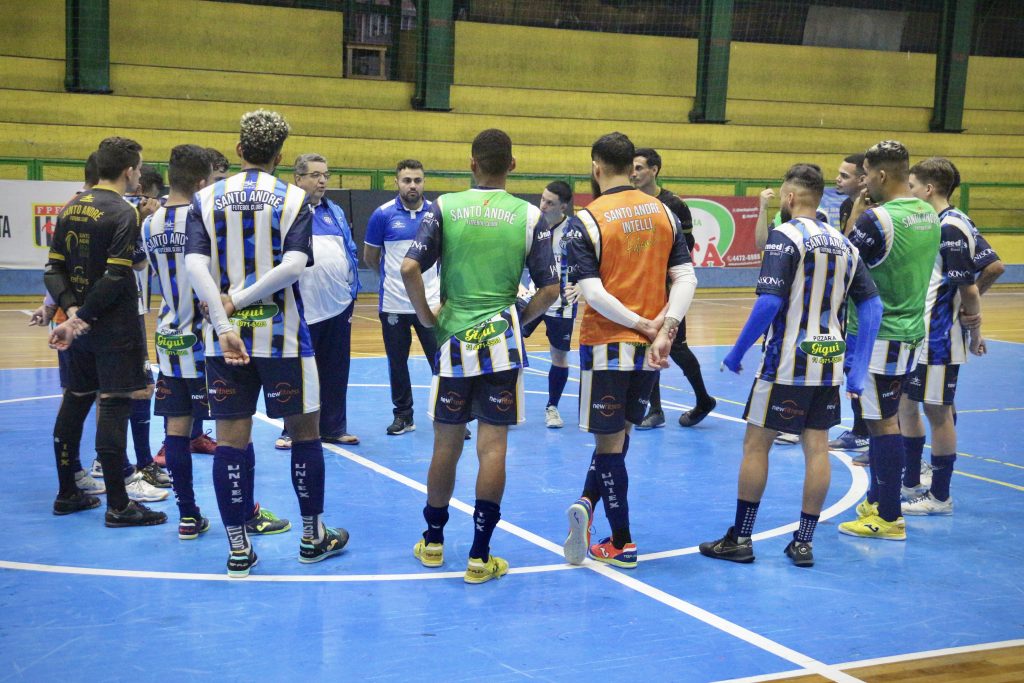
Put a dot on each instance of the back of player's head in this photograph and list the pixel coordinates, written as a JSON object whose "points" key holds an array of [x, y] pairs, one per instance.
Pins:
{"points": [[114, 155], [492, 151], [92, 171], [408, 164], [262, 136], [151, 181], [188, 166], [651, 156], [614, 151], [806, 177], [303, 161], [938, 172], [560, 189], [218, 162], [858, 161], [890, 156]]}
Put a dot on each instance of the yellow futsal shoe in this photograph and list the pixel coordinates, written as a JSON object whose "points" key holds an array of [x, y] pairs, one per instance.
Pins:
{"points": [[429, 554], [479, 571], [874, 526], [866, 509]]}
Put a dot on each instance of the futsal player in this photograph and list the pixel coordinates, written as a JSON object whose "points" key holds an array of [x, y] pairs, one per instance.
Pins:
{"points": [[483, 238], [89, 275], [644, 176], [899, 241], [630, 245], [808, 272], [556, 206], [953, 296], [248, 241]]}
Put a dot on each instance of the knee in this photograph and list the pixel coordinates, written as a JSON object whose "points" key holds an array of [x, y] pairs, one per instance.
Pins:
{"points": [[938, 414], [559, 358]]}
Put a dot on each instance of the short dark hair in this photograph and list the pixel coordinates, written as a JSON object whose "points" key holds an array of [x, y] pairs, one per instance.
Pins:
{"points": [[614, 150], [651, 156], [492, 151], [411, 164], [114, 155], [151, 178], [561, 189], [218, 162], [189, 165], [858, 161], [892, 156], [92, 171], [262, 136], [807, 176], [940, 172]]}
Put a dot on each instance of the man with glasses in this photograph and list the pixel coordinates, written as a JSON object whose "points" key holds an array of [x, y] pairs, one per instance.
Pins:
{"points": [[328, 288]]}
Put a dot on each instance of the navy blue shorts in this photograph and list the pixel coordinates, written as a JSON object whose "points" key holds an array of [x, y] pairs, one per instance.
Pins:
{"points": [[792, 409], [290, 386], [495, 398], [559, 330], [611, 398], [181, 397], [934, 384]]}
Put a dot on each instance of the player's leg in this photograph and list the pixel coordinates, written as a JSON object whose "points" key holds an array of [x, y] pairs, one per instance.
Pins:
{"points": [[559, 332], [174, 404], [395, 328], [938, 393], [67, 438], [912, 429], [332, 340], [684, 358], [853, 440]]}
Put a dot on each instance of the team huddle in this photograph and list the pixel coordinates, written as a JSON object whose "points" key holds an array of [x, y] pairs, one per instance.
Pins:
{"points": [[258, 279]]}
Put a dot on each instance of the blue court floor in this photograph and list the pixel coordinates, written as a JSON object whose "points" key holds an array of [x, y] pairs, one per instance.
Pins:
{"points": [[82, 602]]}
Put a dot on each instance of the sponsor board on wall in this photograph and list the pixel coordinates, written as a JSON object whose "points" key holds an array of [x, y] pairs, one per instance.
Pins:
{"points": [[28, 215]]}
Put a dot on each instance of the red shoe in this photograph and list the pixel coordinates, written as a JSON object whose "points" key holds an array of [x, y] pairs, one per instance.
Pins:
{"points": [[609, 554], [204, 444], [161, 456]]}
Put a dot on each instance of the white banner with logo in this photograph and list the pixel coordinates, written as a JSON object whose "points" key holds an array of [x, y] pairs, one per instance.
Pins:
{"points": [[28, 216]]}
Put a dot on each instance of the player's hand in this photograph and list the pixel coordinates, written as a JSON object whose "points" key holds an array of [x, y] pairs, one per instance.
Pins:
{"points": [[978, 347], [571, 294], [968, 320], [62, 336], [229, 305], [659, 350], [862, 201], [648, 328], [233, 348], [80, 326], [42, 315], [147, 207], [765, 197], [732, 362]]}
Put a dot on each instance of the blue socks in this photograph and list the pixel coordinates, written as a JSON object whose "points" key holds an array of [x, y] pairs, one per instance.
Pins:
{"points": [[139, 420], [485, 518], [805, 534], [308, 476], [179, 466], [557, 377], [197, 428], [229, 483], [614, 486], [746, 515], [942, 472], [913, 446], [888, 465], [436, 518], [248, 498]]}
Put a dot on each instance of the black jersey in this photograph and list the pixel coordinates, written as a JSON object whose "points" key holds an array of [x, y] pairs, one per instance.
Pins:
{"points": [[845, 209], [682, 212], [90, 263]]}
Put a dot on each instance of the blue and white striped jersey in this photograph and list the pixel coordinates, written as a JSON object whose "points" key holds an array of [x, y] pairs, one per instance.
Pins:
{"points": [[945, 340], [179, 343], [814, 268], [566, 273], [245, 224], [392, 229]]}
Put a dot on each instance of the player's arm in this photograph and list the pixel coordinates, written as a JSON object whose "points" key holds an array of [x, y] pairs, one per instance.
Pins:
{"points": [[861, 203], [298, 252], [865, 297], [987, 264], [868, 236], [683, 281], [55, 277], [761, 227], [422, 255], [374, 240], [540, 262], [682, 212], [989, 274], [121, 257], [958, 249]]}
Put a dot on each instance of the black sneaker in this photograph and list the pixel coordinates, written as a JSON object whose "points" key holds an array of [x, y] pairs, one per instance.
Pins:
{"points": [[654, 419], [692, 418], [240, 562], [76, 502], [153, 475], [800, 553], [401, 425], [334, 541], [728, 548], [136, 514]]}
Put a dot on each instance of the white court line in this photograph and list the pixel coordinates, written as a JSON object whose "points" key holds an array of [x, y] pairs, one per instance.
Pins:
{"points": [[894, 659], [30, 398]]}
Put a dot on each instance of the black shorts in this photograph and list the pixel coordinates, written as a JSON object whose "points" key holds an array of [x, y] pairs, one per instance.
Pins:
{"points": [[495, 398], [934, 384], [105, 366], [559, 330], [792, 409], [611, 398], [181, 397], [290, 386], [881, 396]]}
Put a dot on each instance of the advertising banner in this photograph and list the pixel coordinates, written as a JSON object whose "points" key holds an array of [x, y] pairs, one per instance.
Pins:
{"points": [[723, 228], [28, 216]]}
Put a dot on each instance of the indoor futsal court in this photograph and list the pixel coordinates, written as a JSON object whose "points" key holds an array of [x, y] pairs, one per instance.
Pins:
{"points": [[82, 602]]}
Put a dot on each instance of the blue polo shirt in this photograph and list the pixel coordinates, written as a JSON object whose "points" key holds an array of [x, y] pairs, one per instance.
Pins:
{"points": [[392, 229]]}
